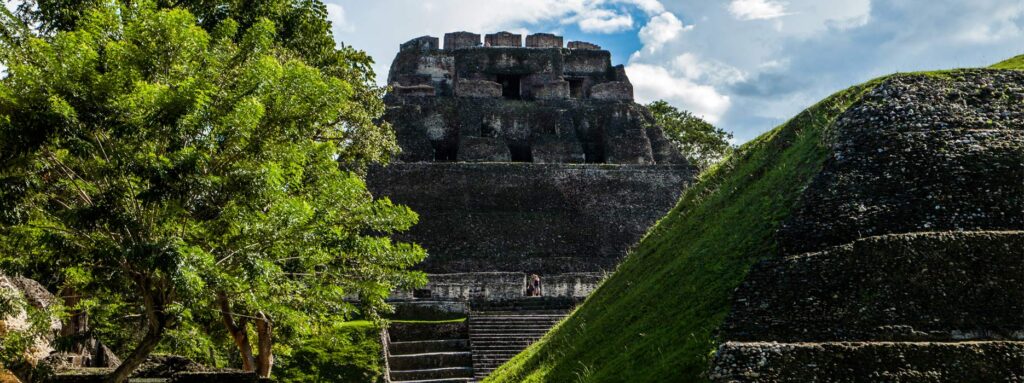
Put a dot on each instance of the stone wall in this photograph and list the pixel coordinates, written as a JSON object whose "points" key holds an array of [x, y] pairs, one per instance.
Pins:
{"points": [[897, 287], [919, 153], [432, 129], [503, 39], [908, 362], [529, 218], [499, 286], [459, 40], [543, 40]]}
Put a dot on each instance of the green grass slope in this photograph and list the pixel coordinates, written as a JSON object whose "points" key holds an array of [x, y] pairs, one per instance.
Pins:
{"points": [[654, 318], [1016, 62]]}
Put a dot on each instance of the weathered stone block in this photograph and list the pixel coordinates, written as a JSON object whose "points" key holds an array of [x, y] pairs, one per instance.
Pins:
{"points": [[483, 149], [503, 39], [459, 40], [423, 43], [583, 45], [414, 90], [554, 90], [616, 90], [543, 40], [477, 89], [555, 150], [631, 147]]}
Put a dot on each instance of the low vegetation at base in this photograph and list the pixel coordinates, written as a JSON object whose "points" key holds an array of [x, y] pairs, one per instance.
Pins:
{"points": [[349, 352], [654, 319]]}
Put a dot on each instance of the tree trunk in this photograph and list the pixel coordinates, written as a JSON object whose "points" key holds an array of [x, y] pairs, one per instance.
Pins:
{"points": [[77, 324], [158, 320], [264, 333], [238, 332], [139, 355]]}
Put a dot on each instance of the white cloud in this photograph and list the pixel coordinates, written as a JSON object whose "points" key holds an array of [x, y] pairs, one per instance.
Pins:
{"points": [[652, 83], [691, 67], [336, 14], [757, 9], [650, 7], [602, 21], [661, 29]]}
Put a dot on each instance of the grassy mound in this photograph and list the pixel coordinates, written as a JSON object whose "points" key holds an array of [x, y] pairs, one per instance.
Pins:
{"points": [[654, 318], [1016, 62]]}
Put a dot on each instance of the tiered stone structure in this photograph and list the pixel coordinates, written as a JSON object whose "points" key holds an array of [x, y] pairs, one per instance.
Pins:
{"points": [[519, 160], [522, 160], [903, 260]]}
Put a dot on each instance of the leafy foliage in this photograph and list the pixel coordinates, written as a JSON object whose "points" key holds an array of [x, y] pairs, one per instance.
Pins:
{"points": [[654, 319], [700, 142], [171, 164], [345, 353]]}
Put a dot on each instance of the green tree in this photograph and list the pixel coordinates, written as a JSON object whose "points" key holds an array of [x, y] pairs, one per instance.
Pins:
{"points": [[700, 142], [196, 168]]}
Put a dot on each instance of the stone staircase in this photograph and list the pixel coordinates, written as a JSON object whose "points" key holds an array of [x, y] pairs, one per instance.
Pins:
{"points": [[500, 331], [429, 353]]}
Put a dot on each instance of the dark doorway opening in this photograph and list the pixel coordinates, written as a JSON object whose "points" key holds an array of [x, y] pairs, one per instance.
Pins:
{"points": [[445, 151], [520, 152], [576, 87], [510, 86], [593, 153]]}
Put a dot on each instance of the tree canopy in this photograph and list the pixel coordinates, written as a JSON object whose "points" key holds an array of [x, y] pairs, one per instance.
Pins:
{"points": [[197, 162], [700, 142]]}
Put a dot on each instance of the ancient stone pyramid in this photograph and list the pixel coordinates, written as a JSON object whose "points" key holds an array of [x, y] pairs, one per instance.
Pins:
{"points": [[904, 260]]}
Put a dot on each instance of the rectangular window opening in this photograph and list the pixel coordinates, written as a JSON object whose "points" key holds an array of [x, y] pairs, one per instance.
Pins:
{"points": [[576, 87], [510, 86], [445, 151], [520, 152]]}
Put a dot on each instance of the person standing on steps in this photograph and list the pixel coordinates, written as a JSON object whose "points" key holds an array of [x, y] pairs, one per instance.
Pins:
{"points": [[533, 286]]}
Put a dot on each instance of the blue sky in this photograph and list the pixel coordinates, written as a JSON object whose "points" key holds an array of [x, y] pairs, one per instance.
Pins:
{"points": [[746, 65]]}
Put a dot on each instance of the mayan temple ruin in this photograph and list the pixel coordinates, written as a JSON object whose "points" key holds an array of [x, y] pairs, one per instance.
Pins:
{"points": [[520, 161]]}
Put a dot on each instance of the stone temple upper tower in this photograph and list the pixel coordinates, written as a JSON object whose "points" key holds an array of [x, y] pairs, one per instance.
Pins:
{"points": [[522, 160], [501, 102]]}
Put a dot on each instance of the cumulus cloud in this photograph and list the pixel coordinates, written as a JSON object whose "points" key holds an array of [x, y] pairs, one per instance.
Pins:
{"points": [[652, 83], [336, 14], [757, 9], [690, 66], [602, 21], [661, 29], [650, 7]]}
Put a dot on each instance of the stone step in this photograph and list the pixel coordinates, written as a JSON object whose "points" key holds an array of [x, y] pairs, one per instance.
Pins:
{"points": [[975, 361], [522, 327], [432, 374], [425, 346], [449, 380], [514, 315], [408, 332], [503, 337], [499, 347], [514, 331], [430, 360]]}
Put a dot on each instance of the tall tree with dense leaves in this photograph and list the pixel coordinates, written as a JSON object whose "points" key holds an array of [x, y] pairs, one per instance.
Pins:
{"points": [[192, 166], [700, 142]]}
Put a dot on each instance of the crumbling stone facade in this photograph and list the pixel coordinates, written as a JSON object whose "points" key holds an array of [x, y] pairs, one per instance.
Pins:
{"points": [[522, 160]]}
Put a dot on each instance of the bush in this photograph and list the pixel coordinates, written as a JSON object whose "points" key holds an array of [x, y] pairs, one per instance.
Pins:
{"points": [[349, 352]]}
